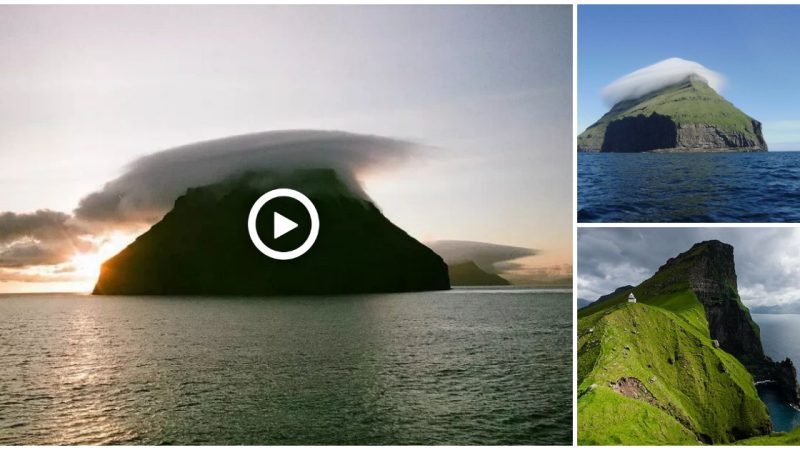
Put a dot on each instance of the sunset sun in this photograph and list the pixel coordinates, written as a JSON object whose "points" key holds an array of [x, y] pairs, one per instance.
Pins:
{"points": [[87, 265]]}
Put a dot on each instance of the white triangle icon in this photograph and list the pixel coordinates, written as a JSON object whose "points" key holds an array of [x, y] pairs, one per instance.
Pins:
{"points": [[281, 225]]}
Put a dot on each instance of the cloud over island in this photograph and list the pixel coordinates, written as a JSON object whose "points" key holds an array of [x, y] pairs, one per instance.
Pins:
{"points": [[149, 186], [151, 183], [657, 76], [40, 246]]}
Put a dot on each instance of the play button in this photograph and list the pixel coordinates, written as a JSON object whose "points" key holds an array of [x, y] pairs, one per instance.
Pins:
{"points": [[282, 225]]}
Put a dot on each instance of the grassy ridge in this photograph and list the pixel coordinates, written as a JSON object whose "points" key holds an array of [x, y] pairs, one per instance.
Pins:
{"points": [[690, 102], [692, 392], [662, 287]]}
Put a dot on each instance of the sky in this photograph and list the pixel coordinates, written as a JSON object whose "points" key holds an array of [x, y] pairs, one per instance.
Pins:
{"points": [[483, 94], [767, 259], [753, 47]]}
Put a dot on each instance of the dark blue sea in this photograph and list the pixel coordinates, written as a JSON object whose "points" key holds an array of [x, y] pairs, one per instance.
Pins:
{"points": [[696, 187], [780, 335]]}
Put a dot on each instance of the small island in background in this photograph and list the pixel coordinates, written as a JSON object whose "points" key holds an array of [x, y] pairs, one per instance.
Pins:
{"points": [[469, 274]]}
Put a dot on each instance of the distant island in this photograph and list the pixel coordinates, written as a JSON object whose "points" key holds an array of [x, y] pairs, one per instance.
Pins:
{"points": [[675, 359], [469, 274], [688, 116], [583, 303], [790, 308], [201, 246]]}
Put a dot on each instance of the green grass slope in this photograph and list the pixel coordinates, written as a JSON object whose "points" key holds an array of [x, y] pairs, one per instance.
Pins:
{"points": [[690, 102], [788, 438], [670, 289], [667, 289], [687, 391]]}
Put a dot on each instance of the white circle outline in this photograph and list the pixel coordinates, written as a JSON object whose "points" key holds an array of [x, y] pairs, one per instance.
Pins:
{"points": [[312, 235]]}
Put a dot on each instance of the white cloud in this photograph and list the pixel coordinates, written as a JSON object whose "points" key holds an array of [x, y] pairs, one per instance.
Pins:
{"points": [[487, 256], [657, 76], [151, 184]]}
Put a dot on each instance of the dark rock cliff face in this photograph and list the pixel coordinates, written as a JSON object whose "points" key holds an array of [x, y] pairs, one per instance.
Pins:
{"points": [[202, 246], [781, 377], [711, 273], [712, 277], [709, 137], [640, 133], [660, 133]]}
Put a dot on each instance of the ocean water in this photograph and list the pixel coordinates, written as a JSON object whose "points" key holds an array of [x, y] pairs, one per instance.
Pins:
{"points": [[697, 187], [458, 367], [780, 335]]}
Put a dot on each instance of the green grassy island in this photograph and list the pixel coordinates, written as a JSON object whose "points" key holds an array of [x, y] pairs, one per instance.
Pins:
{"points": [[686, 117]]}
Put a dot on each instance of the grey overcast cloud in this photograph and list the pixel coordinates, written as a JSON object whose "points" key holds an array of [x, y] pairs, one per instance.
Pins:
{"points": [[767, 259]]}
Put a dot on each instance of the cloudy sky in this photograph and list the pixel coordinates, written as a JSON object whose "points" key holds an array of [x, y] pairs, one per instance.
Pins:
{"points": [[615, 40], [767, 259], [482, 95]]}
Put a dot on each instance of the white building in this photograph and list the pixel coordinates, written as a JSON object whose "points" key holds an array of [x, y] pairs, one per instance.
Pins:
{"points": [[631, 298]]}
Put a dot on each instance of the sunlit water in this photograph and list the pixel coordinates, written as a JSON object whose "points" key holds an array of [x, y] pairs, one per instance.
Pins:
{"points": [[696, 187], [450, 367], [780, 335]]}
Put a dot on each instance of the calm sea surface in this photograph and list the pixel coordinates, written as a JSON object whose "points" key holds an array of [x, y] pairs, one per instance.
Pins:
{"points": [[780, 334], [459, 367], [698, 187]]}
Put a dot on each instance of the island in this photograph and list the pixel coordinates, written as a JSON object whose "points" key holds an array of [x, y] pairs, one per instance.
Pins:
{"points": [[688, 116], [202, 246], [469, 274]]}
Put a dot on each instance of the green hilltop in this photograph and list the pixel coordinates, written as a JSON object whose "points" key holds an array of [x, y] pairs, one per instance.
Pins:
{"points": [[691, 102], [651, 372]]}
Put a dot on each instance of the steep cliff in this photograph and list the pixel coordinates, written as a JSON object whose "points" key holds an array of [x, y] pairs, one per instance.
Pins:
{"points": [[708, 271], [686, 117], [711, 273], [696, 321], [708, 268], [202, 247]]}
